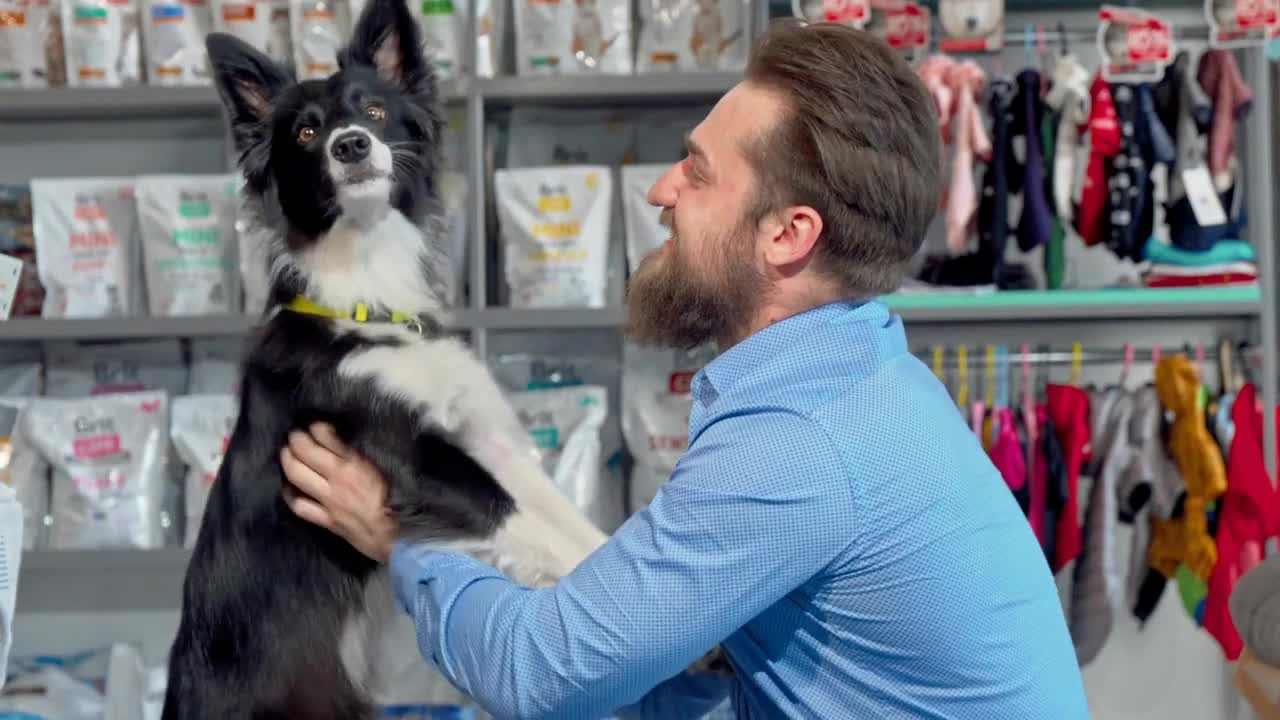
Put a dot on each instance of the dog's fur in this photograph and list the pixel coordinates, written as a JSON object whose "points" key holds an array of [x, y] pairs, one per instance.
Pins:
{"points": [[277, 614]]}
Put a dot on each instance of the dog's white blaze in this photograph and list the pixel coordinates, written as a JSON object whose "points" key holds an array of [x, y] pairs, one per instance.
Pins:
{"points": [[456, 391], [381, 263]]}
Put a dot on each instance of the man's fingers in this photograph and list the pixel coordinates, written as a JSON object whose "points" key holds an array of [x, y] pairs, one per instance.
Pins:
{"points": [[308, 509], [301, 475], [327, 437], [312, 454]]}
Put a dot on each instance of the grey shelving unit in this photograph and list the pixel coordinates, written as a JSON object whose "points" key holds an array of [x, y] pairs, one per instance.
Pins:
{"points": [[144, 129]]}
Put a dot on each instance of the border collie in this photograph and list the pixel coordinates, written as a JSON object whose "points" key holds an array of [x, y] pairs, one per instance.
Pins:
{"points": [[278, 615]]}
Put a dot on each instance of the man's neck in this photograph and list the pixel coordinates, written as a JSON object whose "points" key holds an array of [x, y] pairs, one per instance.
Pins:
{"points": [[775, 310]]}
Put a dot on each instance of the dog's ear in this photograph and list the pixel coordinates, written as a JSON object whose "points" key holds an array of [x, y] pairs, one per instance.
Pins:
{"points": [[387, 38], [247, 81]]}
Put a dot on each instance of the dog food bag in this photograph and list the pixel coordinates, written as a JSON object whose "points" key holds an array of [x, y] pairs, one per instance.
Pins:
{"points": [[188, 225], [555, 225], [23, 469], [17, 240], [215, 366], [317, 31], [655, 413], [25, 29], [109, 456], [248, 20], [565, 424], [454, 190], [692, 35], [444, 27], [173, 33], [644, 230], [103, 42], [78, 369], [86, 233], [201, 431], [569, 37]]}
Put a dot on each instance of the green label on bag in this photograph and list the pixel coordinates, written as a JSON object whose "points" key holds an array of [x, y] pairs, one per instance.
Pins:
{"points": [[194, 209], [91, 13], [195, 238], [437, 7], [546, 438]]}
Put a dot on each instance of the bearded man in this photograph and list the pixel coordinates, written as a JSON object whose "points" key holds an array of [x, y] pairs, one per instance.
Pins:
{"points": [[834, 525]]}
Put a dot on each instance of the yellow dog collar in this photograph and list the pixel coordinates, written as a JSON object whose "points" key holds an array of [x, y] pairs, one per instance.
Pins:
{"points": [[361, 314]]}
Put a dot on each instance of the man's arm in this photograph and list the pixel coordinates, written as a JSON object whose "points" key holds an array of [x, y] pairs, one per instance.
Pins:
{"points": [[749, 515]]}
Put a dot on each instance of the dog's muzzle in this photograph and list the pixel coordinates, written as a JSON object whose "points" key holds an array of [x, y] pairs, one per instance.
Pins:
{"points": [[351, 147]]}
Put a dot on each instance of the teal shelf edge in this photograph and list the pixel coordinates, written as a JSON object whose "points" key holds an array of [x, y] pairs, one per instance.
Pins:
{"points": [[1077, 298]]}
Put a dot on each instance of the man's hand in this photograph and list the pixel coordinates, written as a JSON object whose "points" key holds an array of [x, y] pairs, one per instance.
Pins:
{"points": [[335, 488]]}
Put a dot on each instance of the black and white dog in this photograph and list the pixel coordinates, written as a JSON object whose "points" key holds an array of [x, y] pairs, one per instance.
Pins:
{"points": [[341, 176]]}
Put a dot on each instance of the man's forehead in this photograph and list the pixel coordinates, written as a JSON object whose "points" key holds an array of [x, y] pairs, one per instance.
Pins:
{"points": [[745, 111]]}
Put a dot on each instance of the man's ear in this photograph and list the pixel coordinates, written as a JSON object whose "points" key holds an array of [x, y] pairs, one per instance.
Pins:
{"points": [[387, 38], [247, 81]]}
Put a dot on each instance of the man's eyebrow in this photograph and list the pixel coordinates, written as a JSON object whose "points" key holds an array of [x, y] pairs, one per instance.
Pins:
{"points": [[694, 148]]}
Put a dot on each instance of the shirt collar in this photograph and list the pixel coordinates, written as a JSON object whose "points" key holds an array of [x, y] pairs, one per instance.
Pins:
{"points": [[772, 341]]}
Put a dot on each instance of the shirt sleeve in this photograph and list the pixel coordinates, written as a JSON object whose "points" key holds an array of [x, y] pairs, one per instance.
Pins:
{"points": [[756, 507]]}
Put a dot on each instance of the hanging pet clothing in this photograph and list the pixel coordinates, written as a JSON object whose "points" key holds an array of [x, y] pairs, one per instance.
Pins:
{"points": [[1104, 144], [965, 80], [1036, 223]]}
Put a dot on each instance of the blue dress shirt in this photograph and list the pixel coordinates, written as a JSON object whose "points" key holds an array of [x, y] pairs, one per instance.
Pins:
{"points": [[834, 525]]}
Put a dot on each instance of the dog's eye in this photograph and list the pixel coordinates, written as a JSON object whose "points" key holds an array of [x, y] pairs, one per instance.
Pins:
{"points": [[375, 112], [306, 135]]}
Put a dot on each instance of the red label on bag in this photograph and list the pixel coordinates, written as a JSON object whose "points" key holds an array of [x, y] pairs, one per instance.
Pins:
{"points": [[1257, 13], [680, 383], [907, 26], [846, 11]]}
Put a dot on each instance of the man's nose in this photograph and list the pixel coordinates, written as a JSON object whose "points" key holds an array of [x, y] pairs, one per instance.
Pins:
{"points": [[664, 192]]}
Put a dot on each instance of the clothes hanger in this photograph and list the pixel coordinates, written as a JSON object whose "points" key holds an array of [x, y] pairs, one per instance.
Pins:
{"points": [[1128, 364], [1077, 357]]}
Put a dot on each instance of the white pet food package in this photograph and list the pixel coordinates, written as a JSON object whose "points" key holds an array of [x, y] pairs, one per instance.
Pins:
{"points": [[28, 29], [81, 369], [263, 24], [692, 35], [317, 30], [569, 37], [453, 189], [444, 26], [655, 413], [173, 33], [103, 42], [109, 460], [555, 226], [11, 529], [189, 244], [23, 469], [644, 231], [542, 135], [86, 234], [47, 692], [215, 366], [201, 430], [565, 425]]}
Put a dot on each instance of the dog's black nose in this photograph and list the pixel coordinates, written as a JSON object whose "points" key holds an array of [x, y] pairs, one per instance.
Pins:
{"points": [[351, 147]]}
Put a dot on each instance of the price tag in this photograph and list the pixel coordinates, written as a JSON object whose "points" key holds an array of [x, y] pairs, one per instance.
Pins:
{"points": [[907, 26], [10, 276], [1135, 45], [1241, 23], [1205, 203]]}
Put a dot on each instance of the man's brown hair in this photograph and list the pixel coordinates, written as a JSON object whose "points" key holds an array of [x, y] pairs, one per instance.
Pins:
{"points": [[858, 141]]}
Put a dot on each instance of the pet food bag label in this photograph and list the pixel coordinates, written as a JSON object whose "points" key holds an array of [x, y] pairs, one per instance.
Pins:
{"points": [[201, 432], [189, 249], [248, 20], [86, 234], [23, 469], [565, 424], [555, 226], [316, 33], [80, 369], [17, 241], [109, 459], [25, 30], [655, 413], [692, 35], [173, 35], [564, 37], [854, 13], [971, 25], [1135, 46], [644, 229], [104, 47], [1241, 23]]}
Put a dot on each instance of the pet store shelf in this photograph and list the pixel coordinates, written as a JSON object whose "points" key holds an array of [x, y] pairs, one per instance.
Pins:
{"points": [[1109, 304], [594, 89], [127, 102], [547, 318], [73, 580]]}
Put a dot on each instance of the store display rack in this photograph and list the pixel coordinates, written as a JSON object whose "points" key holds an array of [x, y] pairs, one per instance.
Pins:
{"points": [[56, 579]]}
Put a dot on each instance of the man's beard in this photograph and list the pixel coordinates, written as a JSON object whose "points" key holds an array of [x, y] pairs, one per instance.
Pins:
{"points": [[670, 304]]}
